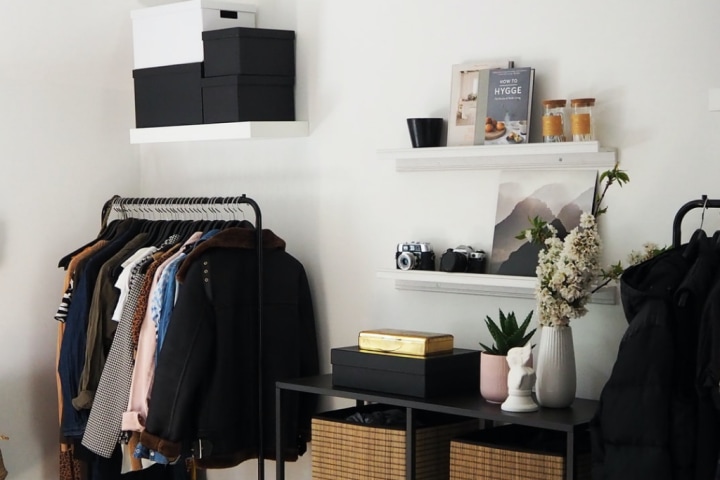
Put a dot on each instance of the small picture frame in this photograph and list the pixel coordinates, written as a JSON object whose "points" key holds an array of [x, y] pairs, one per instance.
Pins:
{"points": [[468, 88]]}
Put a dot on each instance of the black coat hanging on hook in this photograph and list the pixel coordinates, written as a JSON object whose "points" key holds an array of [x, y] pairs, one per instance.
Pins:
{"points": [[659, 413]]}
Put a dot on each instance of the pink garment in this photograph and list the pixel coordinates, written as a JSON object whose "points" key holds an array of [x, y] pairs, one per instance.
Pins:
{"points": [[144, 370]]}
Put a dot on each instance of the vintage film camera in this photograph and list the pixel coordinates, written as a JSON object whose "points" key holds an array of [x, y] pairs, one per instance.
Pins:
{"points": [[463, 258], [415, 256]]}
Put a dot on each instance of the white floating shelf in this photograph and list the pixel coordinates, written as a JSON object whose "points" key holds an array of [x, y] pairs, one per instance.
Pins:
{"points": [[219, 131], [566, 155], [478, 284]]}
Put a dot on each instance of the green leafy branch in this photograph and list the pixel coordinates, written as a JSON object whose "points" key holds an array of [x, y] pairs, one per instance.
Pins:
{"points": [[540, 230], [615, 271], [609, 177]]}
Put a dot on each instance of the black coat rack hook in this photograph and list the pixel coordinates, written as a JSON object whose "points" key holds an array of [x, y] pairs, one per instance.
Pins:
{"points": [[703, 202]]}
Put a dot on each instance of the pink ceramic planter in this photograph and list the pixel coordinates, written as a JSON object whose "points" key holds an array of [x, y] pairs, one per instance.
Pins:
{"points": [[494, 371]]}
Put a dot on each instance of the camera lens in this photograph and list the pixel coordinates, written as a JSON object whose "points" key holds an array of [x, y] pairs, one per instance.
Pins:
{"points": [[453, 262], [406, 261]]}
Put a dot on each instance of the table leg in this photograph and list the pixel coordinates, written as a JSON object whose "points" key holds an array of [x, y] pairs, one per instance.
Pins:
{"points": [[409, 444], [280, 461], [570, 455]]}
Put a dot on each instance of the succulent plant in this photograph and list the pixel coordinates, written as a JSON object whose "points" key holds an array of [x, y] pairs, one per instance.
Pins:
{"points": [[508, 334]]}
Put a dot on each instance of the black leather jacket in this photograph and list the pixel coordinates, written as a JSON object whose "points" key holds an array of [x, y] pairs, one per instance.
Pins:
{"points": [[205, 390]]}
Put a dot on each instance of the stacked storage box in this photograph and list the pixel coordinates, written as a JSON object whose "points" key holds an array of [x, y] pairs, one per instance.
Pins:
{"points": [[249, 75], [190, 53], [404, 362]]}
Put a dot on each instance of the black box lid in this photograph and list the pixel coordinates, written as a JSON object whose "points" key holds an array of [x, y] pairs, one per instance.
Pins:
{"points": [[354, 357], [247, 80], [248, 32], [196, 67]]}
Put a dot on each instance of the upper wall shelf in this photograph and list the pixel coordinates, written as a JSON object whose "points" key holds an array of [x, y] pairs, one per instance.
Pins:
{"points": [[219, 131], [526, 156], [479, 284]]}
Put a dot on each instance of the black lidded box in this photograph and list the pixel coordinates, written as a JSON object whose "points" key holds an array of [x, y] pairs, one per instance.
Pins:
{"points": [[170, 95], [249, 51], [240, 98], [442, 374]]}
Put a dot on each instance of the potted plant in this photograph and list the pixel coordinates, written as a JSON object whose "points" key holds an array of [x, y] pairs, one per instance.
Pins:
{"points": [[493, 360]]}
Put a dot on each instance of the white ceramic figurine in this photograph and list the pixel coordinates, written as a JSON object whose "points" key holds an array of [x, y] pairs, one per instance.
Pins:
{"points": [[520, 381]]}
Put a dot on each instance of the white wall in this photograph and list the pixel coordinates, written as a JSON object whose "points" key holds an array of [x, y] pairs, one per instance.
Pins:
{"points": [[363, 67], [66, 105]]}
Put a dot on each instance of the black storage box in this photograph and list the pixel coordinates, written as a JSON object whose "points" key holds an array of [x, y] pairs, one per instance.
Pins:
{"points": [[249, 51], [170, 95], [441, 374], [241, 98]]}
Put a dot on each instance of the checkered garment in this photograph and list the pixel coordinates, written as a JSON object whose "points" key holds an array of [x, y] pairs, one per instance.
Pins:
{"points": [[103, 429], [102, 432]]}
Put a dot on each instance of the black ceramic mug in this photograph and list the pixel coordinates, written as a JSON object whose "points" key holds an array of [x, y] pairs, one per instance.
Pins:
{"points": [[425, 132]]}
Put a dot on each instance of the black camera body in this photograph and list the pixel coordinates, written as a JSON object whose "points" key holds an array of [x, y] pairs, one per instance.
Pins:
{"points": [[463, 258], [415, 256]]}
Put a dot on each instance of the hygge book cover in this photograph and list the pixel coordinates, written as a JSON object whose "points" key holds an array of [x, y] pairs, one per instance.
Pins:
{"points": [[509, 103]]}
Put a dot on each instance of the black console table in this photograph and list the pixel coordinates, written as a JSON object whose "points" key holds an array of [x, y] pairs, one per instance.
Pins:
{"points": [[567, 420]]}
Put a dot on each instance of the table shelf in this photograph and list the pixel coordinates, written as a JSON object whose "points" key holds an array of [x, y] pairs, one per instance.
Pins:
{"points": [[567, 420]]}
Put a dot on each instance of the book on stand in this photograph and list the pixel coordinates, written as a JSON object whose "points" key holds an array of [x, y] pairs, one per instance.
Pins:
{"points": [[505, 118], [467, 97]]}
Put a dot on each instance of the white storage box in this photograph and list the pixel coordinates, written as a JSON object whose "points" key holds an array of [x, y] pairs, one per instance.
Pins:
{"points": [[172, 34]]}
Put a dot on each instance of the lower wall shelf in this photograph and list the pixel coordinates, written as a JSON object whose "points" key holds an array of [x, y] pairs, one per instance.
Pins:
{"points": [[219, 131], [478, 284]]}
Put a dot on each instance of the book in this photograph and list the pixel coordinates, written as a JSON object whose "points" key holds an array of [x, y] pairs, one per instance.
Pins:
{"points": [[505, 118], [468, 96]]}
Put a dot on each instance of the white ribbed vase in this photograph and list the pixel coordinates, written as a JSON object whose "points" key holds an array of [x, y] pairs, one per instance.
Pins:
{"points": [[555, 382]]}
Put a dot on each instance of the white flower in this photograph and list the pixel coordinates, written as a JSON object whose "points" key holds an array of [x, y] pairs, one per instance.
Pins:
{"points": [[566, 272], [649, 249]]}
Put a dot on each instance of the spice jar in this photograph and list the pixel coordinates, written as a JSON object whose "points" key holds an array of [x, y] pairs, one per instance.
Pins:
{"points": [[581, 119], [553, 121]]}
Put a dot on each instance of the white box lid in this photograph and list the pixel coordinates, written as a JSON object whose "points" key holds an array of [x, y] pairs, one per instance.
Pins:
{"points": [[194, 5]]}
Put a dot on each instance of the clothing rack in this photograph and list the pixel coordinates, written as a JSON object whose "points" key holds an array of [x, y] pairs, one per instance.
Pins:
{"points": [[178, 207], [704, 202]]}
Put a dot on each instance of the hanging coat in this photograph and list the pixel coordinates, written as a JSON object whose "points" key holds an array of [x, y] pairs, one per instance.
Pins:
{"points": [[205, 392], [646, 424]]}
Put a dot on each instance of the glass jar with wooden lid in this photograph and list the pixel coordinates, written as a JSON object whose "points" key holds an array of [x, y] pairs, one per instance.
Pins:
{"points": [[553, 121], [582, 124]]}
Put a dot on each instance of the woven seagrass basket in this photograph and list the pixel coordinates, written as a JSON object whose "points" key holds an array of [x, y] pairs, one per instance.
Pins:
{"points": [[516, 452], [346, 450]]}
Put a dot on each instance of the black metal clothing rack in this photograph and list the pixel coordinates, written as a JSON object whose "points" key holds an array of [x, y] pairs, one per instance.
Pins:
{"points": [[177, 207], [704, 202]]}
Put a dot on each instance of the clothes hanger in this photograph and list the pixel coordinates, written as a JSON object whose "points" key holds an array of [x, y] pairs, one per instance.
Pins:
{"points": [[698, 235], [107, 230]]}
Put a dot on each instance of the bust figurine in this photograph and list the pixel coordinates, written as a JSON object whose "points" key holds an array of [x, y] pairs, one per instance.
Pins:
{"points": [[521, 379]]}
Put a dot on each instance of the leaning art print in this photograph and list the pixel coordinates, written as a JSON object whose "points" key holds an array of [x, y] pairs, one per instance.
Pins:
{"points": [[558, 197]]}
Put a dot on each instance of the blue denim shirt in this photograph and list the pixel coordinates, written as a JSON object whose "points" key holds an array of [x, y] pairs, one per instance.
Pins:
{"points": [[167, 287], [141, 451]]}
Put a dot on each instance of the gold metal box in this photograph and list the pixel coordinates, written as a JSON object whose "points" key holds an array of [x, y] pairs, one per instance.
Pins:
{"points": [[407, 342]]}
